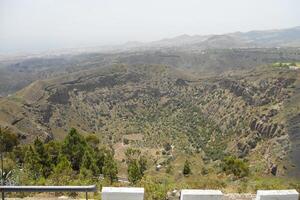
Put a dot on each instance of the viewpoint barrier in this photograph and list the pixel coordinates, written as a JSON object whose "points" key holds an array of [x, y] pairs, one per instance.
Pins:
{"points": [[131, 193], [124, 193], [277, 195]]}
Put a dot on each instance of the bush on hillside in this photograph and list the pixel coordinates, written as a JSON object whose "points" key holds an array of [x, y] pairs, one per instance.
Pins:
{"points": [[235, 166]]}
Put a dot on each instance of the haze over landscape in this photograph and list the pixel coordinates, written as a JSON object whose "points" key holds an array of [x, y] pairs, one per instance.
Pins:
{"points": [[164, 95], [31, 26]]}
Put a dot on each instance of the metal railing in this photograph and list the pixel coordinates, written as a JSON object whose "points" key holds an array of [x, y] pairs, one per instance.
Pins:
{"points": [[86, 189]]}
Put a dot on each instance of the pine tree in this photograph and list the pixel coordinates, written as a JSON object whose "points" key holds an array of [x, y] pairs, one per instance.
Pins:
{"points": [[54, 149], [186, 168], [73, 148], [110, 169], [43, 157], [137, 164], [100, 158], [143, 164], [89, 162], [62, 172], [32, 164], [134, 172]]}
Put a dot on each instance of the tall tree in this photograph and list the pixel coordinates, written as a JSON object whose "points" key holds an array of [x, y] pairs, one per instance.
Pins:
{"points": [[43, 157], [110, 169], [134, 172], [32, 164], [136, 163], [73, 148], [143, 164], [89, 162], [54, 149], [62, 172], [100, 158]]}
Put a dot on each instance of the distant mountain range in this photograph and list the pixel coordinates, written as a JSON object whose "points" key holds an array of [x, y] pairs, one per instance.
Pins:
{"points": [[254, 39], [289, 37]]}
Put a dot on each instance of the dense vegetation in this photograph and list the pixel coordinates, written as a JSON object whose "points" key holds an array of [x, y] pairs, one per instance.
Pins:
{"points": [[79, 160], [59, 163]]}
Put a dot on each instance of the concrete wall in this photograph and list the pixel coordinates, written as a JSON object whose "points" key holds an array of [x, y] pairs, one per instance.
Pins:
{"points": [[122, 193], [201, 195], [277, 195], [127, 193]]}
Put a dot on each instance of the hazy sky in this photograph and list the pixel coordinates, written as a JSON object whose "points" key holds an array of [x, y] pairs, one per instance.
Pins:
{"points": [[38, 25]]}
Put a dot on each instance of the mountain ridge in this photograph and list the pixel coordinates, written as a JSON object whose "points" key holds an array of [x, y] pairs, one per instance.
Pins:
{"points": [[184, 39]]}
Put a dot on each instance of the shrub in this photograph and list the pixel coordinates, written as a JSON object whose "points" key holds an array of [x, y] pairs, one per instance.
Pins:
{"points": [[235, 166], [125, 141], [186, 168], [8, 140], [167, 146], [169, 169]]}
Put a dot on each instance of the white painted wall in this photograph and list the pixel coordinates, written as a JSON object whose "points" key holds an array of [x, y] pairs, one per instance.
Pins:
{"points": [[201, 195], [122, 193], [277, 195]]}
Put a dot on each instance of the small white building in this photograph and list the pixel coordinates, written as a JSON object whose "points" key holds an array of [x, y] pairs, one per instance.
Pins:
{"points": [[122, 193], [201, 195], [277, 195]]}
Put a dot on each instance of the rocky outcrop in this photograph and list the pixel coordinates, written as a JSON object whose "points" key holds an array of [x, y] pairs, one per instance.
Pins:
{"points": [[262, 93], [265, 129], [239, 90], [293, 128], [245, 147]]}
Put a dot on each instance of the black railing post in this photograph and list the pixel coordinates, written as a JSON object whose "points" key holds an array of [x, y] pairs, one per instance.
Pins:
{"points": [[86, 189]]}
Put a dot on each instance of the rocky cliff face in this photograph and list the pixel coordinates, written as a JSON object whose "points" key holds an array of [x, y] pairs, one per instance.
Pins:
{"points": [[265, 129], [261, 94]]}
